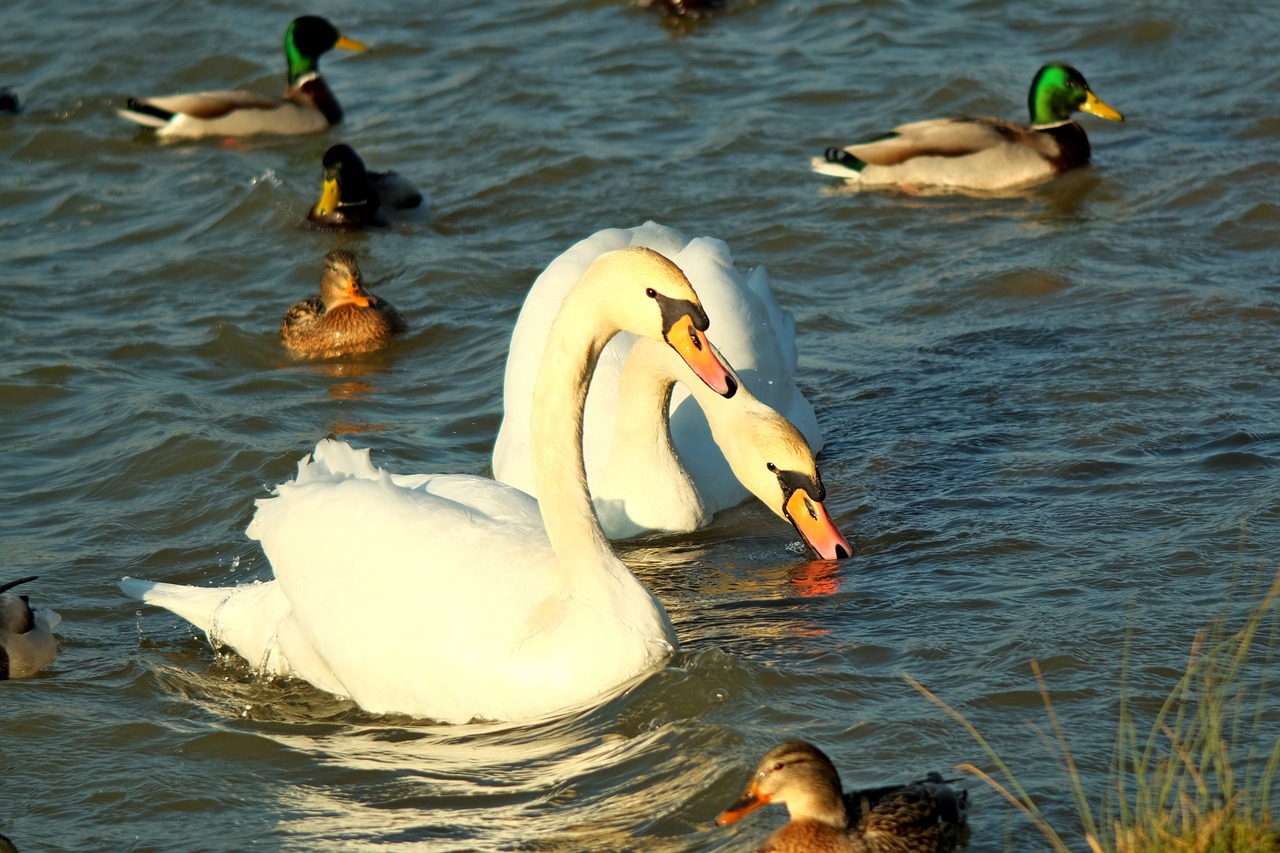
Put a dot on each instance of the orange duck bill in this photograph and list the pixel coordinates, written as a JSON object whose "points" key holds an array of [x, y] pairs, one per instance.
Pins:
{"points": [[750, 800]]}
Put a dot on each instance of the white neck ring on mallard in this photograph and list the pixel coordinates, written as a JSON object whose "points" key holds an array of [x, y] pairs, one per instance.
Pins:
{"points": [[1049, 125]]}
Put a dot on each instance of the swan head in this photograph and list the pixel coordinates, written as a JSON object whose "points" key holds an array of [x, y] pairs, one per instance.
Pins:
{"points": [[644, 292], [341, 282], [771, 458]]}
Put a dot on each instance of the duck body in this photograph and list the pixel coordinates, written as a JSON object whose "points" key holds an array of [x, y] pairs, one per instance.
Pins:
{"points": [[926, 816], [344, 318], [982, 154], [353, 197], [455, 597], [307, 106], [27, 643], [652, 487]]}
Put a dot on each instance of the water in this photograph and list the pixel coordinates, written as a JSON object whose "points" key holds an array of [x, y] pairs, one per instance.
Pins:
{"points": [[1050, 418]]}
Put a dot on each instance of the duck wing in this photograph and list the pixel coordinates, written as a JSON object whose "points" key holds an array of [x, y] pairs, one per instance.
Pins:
{"points": [[944, 137], [927, 812]]}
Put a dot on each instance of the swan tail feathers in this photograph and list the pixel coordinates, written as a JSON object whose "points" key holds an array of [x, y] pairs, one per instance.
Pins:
{"points": [[247, 617]]}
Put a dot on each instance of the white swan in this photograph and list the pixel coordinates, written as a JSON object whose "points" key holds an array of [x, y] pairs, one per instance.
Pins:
{"points": [[646, 486], [451, 597], [637, 482]]}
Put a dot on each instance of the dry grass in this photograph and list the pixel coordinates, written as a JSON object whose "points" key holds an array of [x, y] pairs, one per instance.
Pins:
{"points": [[1175, 786]]}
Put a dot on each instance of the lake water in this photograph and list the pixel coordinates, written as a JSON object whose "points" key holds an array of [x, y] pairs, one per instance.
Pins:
{"points": [[1051, 419]]}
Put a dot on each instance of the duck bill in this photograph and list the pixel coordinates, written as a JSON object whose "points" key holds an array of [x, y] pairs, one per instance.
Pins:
{"points": [[815, 525], [328, 202], [357, 294], [345, 43], [1093, 106], [750, 800], [692, 346]]}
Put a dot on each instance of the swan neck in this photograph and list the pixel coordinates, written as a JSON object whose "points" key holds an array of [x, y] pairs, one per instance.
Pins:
{"points": [[574, 344], [644, 399]]}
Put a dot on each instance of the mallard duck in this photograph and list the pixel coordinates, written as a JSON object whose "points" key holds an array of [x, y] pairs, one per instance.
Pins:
{"points": [[344, 318], [307, 106], [353, 197], [927, 816], [456, 597], [27, 644], [980, 153]]}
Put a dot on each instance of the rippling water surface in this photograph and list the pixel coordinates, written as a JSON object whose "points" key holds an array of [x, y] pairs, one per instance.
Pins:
{"points": [[1051, 418]]}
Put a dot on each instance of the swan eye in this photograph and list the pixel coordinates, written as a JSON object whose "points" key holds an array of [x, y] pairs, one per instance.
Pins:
{"points": [[651, 293], [773, 469]]}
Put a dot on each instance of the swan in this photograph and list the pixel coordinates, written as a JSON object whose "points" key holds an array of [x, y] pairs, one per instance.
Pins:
{"points": [[648, 486], [455, 597], [650, 489]]}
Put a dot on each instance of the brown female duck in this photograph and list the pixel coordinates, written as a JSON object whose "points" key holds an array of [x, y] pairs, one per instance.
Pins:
{"points": [[927, 816], [344, 318]]}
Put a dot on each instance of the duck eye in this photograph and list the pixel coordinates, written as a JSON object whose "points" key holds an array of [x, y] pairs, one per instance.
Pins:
{"points": [[778, 766], [651, 293], [773, 469]]}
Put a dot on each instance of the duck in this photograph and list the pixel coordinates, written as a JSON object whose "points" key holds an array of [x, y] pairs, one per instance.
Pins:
{"points": [[307, 106], [456, 597], [981, 154], [353, 197], [925, 816], [688, 9], [676, 493], [344, 318], [27, 643]]}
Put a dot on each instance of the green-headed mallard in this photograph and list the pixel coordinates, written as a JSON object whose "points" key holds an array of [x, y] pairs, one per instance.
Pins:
{"points": [[927, 816], [27, 644], [980, 153], [308, 104], [344, 318], [353, 197]]}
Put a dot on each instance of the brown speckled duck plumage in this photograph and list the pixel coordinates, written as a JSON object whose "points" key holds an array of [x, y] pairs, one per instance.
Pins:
{"points": [[927, 816], [344, 318]]}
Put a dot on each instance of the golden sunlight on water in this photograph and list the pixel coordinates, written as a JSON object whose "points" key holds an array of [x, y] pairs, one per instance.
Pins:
{"points": [[1049, 415]]}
